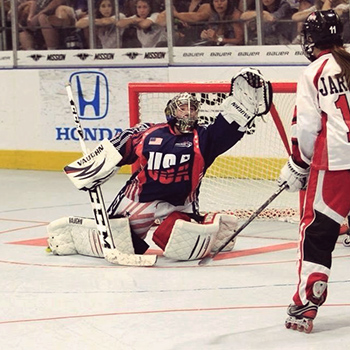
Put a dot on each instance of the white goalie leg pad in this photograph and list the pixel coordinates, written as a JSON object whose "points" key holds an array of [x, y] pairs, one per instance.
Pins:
{"points": [[60, 239], [77, 235], [190, 240], [74, 235], [227, 227], [122, 235], [95, 168]]}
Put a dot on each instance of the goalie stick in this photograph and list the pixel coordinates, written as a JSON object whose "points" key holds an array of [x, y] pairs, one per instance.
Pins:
{"points": [[99, 208], [208, 258]]}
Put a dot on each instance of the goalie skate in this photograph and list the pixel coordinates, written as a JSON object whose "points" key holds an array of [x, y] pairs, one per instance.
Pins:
{"points": [[301, 317], [346, 240]]}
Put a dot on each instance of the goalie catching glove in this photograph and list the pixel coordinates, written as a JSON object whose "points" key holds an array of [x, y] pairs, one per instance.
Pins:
{"points": [[250, 96], [294, 176], [95, 168]]}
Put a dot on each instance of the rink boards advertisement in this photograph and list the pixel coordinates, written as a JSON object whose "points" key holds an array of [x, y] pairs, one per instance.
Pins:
{"points": [[221, 55], [37, 126]]}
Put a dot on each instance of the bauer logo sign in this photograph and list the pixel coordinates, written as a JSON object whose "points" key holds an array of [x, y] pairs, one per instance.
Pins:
{"points": [[243, 55], [92, 94]]}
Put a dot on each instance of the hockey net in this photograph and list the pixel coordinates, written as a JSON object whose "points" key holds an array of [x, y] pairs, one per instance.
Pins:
{"points": [[244, 177]]}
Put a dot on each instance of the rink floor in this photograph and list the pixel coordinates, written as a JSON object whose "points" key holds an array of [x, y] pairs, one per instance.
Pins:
{"points": [[74, 302]]}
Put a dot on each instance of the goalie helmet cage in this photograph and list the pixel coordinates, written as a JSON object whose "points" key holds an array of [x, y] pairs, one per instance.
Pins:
{"points": [[243, 177]]}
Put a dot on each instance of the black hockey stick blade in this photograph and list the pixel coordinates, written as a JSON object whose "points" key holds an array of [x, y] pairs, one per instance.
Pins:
{"points": [[210, 257]]}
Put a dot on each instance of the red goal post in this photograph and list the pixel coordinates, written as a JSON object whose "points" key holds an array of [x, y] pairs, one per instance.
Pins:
{"points": [[250, 172]]}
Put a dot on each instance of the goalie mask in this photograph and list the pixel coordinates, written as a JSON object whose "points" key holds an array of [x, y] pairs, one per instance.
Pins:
{"points": [[182, 112], [322, 29]]}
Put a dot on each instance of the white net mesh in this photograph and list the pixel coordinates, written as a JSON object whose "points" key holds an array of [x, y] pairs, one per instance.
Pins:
{"points": [[245, 176]]}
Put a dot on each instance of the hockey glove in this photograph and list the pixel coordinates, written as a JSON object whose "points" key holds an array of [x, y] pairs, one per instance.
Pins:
{"points": [[295, 176], [250, 96], [95, 168]]}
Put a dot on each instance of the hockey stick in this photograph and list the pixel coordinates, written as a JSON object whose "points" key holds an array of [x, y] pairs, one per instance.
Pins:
{"points": [[208, 258], [100, 212]]}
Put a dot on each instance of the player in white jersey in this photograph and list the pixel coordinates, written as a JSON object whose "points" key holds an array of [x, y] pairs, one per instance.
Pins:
{"points": [[320, 160]]}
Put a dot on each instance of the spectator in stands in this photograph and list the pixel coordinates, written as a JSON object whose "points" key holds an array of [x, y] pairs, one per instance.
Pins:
{"points": [[129, 35], [129, 8], [275, 30], [305, 8], [158, 5], [59, 28], [105, 24], [29, 14], [188, 17], [224, 28], [148, 33]]}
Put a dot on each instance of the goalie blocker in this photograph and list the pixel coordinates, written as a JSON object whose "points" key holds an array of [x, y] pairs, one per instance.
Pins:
{"points": [[180, 238], [95, 168]]}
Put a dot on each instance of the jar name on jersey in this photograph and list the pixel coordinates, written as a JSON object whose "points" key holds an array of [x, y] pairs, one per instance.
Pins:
{"points": [[332, 85]]}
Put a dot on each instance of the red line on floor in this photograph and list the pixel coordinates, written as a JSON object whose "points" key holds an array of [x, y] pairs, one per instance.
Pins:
{"points": [[246, 252], [17, 220], [39, 242], [147, 312], [42, 242], [22, 228]]}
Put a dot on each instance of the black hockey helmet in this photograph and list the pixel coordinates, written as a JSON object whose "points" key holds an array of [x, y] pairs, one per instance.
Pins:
{"points": [[322, 29], [184, 121]]}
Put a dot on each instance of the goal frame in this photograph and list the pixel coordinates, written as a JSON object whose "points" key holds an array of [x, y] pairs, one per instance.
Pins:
{"points": [[137, 88]]}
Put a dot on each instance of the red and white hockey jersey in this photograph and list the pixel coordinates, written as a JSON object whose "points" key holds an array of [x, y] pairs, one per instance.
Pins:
{"points": [[321, 123]]}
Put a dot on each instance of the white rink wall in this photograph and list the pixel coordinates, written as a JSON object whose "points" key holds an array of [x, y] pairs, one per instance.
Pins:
{"points": [[37, 129]]}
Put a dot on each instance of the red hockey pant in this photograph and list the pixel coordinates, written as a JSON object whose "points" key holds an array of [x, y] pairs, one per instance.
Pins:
{"points": [[326, 204]]}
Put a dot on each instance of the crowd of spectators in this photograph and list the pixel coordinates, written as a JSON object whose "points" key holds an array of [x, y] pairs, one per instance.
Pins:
{"points": [[65, 24], [276, 16]]}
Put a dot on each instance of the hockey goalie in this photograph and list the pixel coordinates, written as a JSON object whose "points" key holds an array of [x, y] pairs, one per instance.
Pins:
{"points": [[173, 156]]}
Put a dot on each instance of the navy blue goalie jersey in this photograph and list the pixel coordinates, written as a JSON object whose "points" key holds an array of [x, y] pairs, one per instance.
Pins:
{"points": [[172, 166]]}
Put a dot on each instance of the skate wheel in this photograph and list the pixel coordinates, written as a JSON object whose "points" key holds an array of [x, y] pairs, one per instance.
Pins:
{"points": [[288, 325], [346, 241], [294, 327], [309, 327], [300, 328]]}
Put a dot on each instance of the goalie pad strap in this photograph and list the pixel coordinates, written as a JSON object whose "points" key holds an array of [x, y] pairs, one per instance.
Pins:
{"points": [[162, 233], [184, 240], [95, 168], [77, 235]]}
